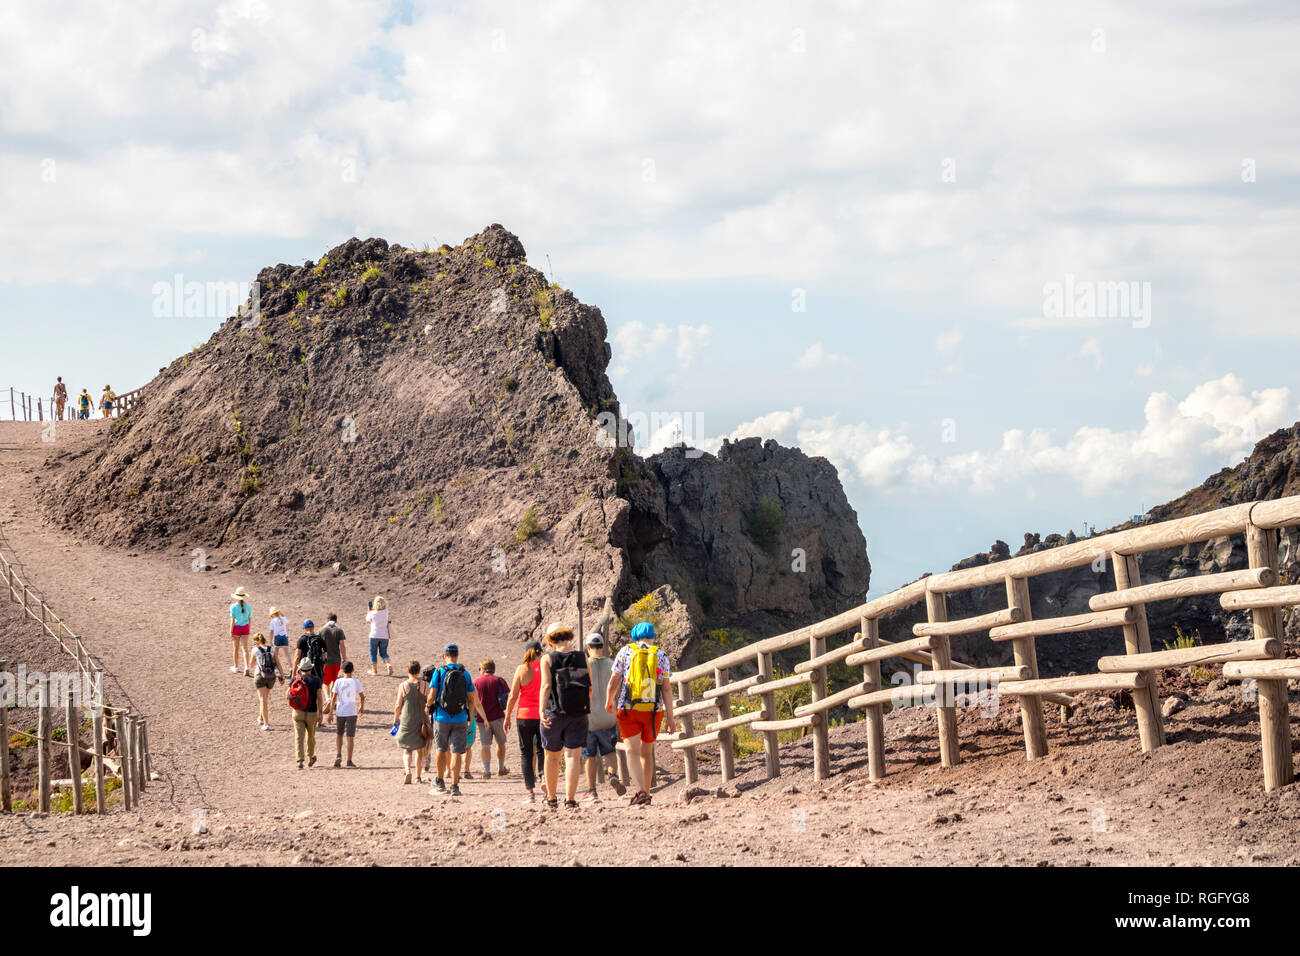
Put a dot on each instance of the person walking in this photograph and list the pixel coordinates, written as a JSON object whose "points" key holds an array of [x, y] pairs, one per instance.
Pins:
{"points": [[241, 613], [83, 405], [336, 651], [348, 703], [602, 726], [380, 632], [493, 694], [60, 397], [411, 721], [566, 683], [454, 703], [304, 700], [265, 675], [524, 688], [106, 402], [279, 628], [640, 696], [311, 648]]}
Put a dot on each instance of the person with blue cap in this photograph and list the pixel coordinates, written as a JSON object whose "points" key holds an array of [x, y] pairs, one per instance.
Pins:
{"points": [[640, 696], [453, 702]]}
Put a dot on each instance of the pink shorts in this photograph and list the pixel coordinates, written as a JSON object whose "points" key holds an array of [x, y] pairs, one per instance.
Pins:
{"points": [[239, 630]]}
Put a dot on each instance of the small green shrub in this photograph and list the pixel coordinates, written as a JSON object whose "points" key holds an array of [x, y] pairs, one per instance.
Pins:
{"points": [[529, 528], [766, 523]]}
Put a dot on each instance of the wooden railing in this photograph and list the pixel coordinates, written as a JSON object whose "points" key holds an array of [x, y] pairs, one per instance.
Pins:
{"points": [[31, 408], [130, 728], [1255, 588]]}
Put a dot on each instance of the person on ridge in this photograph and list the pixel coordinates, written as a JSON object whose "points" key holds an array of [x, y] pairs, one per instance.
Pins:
{"points": [[60, 397]]}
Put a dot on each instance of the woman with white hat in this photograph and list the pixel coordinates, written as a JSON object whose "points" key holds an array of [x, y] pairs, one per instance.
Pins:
{"points": [[241, 614], [279, 628]]}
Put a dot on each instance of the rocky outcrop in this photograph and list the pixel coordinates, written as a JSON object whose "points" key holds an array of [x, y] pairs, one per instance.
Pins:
{"points": [[432, 414], [759, 537]]}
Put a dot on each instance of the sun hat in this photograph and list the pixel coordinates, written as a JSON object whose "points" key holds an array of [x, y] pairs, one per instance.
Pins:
{"points": [[595, 640], [305, 665], [307, 624], [274, 611], [645, 631], [241, 594]]}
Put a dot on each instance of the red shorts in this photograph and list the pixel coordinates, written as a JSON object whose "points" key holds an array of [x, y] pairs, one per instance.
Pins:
{"points": [[239, 630], [632, 723], [331, 674]]}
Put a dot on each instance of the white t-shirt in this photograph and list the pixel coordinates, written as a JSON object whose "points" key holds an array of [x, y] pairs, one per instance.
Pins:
{"points": [[279, 626], [378, 624], [347, 693]]}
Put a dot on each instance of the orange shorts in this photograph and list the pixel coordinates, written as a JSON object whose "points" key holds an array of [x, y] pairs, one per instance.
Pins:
{"points": [[633, 723]]}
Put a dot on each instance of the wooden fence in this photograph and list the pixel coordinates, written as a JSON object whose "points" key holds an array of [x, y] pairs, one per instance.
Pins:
{"points": [[1256, 588], [130, 730]]}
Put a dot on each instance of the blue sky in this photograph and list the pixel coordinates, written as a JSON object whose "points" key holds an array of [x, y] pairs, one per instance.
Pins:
{"points": [[842, 225]]}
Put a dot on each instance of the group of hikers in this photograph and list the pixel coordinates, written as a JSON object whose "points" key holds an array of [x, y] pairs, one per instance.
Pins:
{"points": [[564, 704], [107, 400]]}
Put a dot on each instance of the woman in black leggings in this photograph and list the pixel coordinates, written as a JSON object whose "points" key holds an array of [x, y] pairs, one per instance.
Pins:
{"points": [[524, 692]]}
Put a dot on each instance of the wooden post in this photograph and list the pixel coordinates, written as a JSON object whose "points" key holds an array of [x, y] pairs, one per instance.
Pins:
{"points": [[875, 712], [123, 755], [582, 638], [936, 609], [727, 754], [12, 414], [6, 795], [74, 751], [1137, 640], [137, 754], [44, 731], [97, 727], [1274, 713], [40, 415], [147, 762], [688, 731], [1026, 655], [771, 742], [821, 729]]}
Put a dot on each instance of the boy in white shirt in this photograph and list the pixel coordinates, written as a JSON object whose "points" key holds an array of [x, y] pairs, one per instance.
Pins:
{"points": [[348, 703]]}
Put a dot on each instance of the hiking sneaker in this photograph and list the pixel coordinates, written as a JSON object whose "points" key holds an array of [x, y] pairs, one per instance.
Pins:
{"points": [[299, 764], [590, 797], [528, 800], [352, 765], [338, 762], [619, 786], [503, 772], [234, 669], [454, 791], [467, 776], [311, 761], [438, 787]]}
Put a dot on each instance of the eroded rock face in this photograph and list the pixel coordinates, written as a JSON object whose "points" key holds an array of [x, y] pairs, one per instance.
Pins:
{"points": [[433, 414], [759, 537]]}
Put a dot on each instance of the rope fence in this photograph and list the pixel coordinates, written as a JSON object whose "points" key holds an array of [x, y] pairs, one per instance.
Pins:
{"points": [[1261, 659]]}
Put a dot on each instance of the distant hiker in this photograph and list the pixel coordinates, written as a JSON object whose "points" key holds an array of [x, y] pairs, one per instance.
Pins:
{"points": [[602, 726], [380, 631], [411, 721], [524, 692], [348, 703], [453, 702], [83, 405], [266, 673], [303, 696], [566, 681], [106, 402], [336, 650], [60, 397], [641, 696], [493, 694], [279, 628], [240, 615]]}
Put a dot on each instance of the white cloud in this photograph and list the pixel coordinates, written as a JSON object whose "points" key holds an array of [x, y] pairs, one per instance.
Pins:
{"points": [[817, 357], [635, 342], [1091, 348], [948, 341]]}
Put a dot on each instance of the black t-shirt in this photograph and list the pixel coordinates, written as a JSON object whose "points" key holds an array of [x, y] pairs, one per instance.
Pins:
{"points": [[304, 650], [333, 636], [313, 690]]}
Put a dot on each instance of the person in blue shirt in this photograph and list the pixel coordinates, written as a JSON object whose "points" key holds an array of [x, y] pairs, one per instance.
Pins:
{"points": [[451, 725], [241, 613]]}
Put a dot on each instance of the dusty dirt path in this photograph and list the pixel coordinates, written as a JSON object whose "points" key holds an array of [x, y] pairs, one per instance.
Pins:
{"points": [[159, 627]]}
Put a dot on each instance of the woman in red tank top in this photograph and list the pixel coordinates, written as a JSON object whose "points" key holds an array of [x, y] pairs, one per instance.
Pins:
{"points": [[525, 691]]}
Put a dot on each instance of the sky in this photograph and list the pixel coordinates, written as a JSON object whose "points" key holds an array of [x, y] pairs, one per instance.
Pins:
{"points": [[1009, 266]]}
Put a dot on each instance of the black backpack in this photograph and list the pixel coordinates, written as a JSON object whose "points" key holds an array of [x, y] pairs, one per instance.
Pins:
{"points": [[266, 661], [316, 652], [570, 684], [454, 692]]}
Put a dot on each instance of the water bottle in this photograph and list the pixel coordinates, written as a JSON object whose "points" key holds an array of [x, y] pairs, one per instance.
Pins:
{"points": [[393, 732]]}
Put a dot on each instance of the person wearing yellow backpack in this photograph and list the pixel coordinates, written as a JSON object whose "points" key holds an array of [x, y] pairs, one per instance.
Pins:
{"points": [[640, 695]]}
